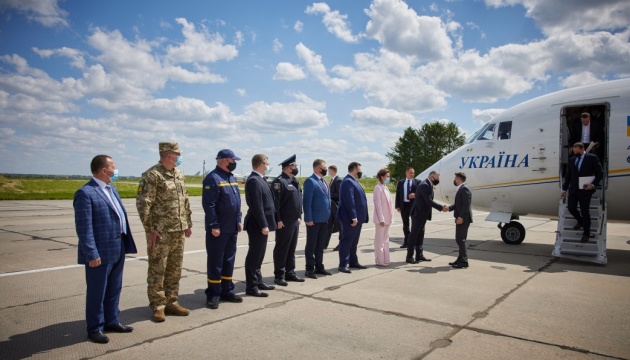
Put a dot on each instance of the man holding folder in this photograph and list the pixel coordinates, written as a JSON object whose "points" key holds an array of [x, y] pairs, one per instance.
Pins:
{"points": [[583, 175]]}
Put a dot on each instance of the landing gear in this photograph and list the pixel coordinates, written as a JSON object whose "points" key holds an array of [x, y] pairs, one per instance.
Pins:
{"points": [[512, 233]]}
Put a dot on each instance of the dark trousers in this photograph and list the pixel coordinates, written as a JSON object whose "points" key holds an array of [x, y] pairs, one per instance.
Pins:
{"points": [[284, 250], [405, 213], [461, 233], [583, 197], [348, 246], [221, 252], [316, 236], [104, 284], [254, 258], [416, 237]]}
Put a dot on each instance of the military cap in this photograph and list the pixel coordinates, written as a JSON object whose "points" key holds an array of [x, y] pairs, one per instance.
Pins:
{"points": [[227, 153], [289, 161], [170, 146]]}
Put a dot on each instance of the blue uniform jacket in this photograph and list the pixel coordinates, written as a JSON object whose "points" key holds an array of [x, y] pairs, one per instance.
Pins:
{"points": [[352, 201], [221, 201], [316, 201], [98, 226]]}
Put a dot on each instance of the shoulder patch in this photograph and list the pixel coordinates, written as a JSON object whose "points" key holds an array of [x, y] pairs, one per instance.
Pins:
{"points": [[140, 186], [276, 186]]}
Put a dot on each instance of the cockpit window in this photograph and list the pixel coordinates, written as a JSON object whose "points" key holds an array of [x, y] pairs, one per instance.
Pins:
{"points": [[505, 130], [487, 133], [476, 134]]}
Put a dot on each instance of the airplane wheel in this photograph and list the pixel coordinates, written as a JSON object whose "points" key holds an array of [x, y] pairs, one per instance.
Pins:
{"points": [[513, 233]]}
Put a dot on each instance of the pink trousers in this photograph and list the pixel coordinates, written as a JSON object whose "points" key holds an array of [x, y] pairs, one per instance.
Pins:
{"points": [[381, 244]]}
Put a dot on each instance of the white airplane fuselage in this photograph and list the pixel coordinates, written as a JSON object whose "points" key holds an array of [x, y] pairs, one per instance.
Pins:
{"points": [[522, 174]]}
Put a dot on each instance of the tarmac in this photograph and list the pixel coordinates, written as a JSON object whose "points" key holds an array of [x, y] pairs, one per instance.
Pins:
{"points": [[514, 301]]}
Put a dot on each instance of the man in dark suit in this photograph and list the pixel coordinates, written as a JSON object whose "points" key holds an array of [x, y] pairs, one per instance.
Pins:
{"points": [[287, 197], [259, 221], [463, 218], [582, 165], [352, 214], [587, 132], [104, 239], [335, 184], [420, 213], [405, 195], [316, 202]]}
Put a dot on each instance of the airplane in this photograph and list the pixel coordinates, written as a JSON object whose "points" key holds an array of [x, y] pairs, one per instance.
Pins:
{"points": [[515, 163]]}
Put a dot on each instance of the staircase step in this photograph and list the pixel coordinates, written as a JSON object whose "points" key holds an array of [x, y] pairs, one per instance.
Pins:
{"points": [[578, 252]]}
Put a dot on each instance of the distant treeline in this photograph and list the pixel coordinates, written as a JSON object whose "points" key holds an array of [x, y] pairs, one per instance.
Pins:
{"points": [[74, 177]]}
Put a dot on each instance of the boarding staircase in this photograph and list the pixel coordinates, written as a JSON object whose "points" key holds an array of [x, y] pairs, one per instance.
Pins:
{"points": [[568, 243]]}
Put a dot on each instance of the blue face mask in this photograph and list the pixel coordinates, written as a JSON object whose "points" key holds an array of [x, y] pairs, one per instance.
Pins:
{"points": [[387, 180], [114, 176], [268, 170], [179, 160]]}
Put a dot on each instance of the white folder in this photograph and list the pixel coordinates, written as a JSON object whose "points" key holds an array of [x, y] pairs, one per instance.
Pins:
{"points": [[585, 180]]}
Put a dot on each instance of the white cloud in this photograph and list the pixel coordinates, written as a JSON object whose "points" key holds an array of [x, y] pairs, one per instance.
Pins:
{"points": [[400, 29], [277, 45], [335, 22], [482, 116], [376, 116], [288, 71], [200, 46], [76, 56], [299, 26], [239, 38], [579, 79], [278, 117], [241, 92], [45, 12]]}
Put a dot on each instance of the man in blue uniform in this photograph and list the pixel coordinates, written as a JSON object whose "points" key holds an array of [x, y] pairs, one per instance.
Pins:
{"points": [[221, 202], [288, 204]]}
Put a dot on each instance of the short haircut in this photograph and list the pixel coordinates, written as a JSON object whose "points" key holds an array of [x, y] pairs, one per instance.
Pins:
{"points": [[461, 175], [258, 159], [578, 145], [333, 167], [433, 172], [99, 162], [353, 165], [409, 168], [585, 115], [381, 173], [317, 163]]}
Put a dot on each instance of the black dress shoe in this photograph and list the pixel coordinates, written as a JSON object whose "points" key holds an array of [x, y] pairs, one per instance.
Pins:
{"points": [[345, 270], [213, 303], [460, 265], [310, 274], [454, 262], [120, 328], [411, 261], [358, 266], [263, 286], [322, 272], [280, 282], [294, 278], [576, 226], [232, 298], [98, 337], [403, 246], [256, 293], [422, 258], [586, 237]]}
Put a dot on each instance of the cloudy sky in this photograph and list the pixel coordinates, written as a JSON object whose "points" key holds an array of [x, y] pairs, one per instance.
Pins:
{"points": [[337, 80]]}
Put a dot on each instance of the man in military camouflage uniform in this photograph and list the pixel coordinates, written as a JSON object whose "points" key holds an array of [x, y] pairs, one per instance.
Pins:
{"points": [[288, 204], [164, 210]]}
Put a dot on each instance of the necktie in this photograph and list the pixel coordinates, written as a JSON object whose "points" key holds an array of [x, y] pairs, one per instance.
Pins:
{"points": [[578, 162], [324, 184], [119, 209], [408, 188]]}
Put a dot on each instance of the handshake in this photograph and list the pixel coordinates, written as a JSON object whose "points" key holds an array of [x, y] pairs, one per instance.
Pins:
{"points": [[444, 208]]}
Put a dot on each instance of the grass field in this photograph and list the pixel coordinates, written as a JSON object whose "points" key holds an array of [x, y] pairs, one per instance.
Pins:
{"points": [[63, 189]]}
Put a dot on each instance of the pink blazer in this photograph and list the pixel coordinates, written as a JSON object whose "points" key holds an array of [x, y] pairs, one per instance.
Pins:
{"points": [[383, 206]]}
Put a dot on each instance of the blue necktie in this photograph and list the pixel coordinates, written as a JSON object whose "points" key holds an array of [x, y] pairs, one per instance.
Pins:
{"points": [[578, 162], [119, 209], [408, 188]]}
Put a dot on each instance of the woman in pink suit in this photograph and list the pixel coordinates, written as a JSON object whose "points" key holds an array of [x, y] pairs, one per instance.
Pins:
{"points": [[383, 218]]}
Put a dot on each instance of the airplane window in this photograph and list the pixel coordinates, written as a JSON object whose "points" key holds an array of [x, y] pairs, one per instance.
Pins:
{"points": [[487, 133], [476, 134], [505, 130]]}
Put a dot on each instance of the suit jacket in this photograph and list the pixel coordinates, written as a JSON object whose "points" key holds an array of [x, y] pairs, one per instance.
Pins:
{"points": [[98, 226], [335, 184], [597, 132], [261, 210], [316, 200], [424, 201], [590, 167], [462, 206], [400, 191], [383, 207], [352, 201]]}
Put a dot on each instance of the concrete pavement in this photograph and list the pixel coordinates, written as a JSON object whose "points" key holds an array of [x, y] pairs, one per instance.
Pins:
{"points": [[513, 302]]}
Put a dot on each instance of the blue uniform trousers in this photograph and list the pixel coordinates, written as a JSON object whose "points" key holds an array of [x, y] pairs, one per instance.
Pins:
{"points": [[104, 284], [221, 252], [348, 244]]}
